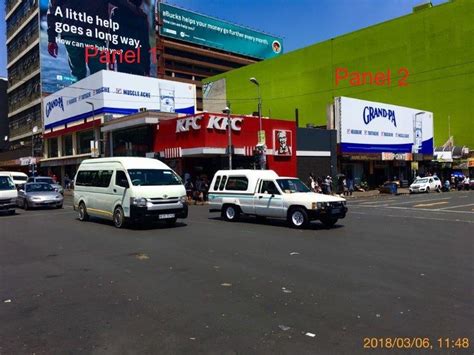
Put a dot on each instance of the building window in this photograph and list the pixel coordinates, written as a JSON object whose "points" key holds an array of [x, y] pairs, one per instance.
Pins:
{"points": [[84, 142], [67, 145], [52, 148]]}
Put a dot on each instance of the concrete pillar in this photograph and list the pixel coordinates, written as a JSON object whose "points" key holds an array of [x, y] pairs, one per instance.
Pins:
{"points": [[111, 143], [74, 144]]}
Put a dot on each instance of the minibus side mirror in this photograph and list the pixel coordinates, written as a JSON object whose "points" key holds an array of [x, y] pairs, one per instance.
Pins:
{"points": [[124, 183]]}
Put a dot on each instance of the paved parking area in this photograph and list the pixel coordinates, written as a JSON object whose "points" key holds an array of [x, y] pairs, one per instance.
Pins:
{"points": [[391, 268]]}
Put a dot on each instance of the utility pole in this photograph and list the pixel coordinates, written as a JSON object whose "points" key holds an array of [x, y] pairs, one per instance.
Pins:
{"points": [[229, 136]]}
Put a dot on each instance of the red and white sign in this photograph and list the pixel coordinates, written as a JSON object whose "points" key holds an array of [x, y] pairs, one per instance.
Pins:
{"points": [[214, 122], [206, 134]]}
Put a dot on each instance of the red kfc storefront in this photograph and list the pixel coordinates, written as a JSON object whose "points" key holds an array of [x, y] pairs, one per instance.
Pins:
{"points": [[196, 144]]}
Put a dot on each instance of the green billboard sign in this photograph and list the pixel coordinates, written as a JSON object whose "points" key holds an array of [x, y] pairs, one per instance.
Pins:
{"points": [[207, 31]]}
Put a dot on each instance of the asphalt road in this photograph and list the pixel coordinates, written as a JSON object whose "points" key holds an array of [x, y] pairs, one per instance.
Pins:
{"points": [[395, 267]]}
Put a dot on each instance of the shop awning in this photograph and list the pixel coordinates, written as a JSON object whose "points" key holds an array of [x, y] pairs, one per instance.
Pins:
{"points": [[138, 119]]}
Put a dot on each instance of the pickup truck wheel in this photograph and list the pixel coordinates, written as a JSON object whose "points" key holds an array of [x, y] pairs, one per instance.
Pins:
{"points": [[230, 213], [328, 222], [298, 218]]}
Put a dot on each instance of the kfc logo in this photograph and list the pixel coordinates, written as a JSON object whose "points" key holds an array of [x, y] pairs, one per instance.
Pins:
{"points": [[282, 142]]}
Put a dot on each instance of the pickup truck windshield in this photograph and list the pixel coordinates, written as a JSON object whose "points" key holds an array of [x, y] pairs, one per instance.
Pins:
{"points": [[153, 177], [289, 186]]}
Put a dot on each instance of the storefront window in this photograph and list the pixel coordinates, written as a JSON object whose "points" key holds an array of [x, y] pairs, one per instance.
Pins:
{"points": [[133, 142], [52, 148], [84, 142], [67, 145]]}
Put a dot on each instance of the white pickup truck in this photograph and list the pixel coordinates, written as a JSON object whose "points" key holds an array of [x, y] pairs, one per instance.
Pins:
{"points": [[263, 193]]}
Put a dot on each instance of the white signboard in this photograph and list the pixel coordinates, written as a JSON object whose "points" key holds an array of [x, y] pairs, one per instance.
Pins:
{"points": [[109, 92], [374, 127]]}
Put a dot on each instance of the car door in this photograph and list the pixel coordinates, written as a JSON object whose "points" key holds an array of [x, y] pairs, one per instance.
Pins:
{"points": [[268, 200], [104, 195], [432, 184]]}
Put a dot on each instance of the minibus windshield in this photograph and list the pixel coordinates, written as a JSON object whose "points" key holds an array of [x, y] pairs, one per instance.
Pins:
{"points": [[153, 177], [6, 183], [289, 186]]}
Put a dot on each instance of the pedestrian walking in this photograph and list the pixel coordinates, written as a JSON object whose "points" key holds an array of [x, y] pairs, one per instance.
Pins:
{"points": [[350, 185], [189, 186]]}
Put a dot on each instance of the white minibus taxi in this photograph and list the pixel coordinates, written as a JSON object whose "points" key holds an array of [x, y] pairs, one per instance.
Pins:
{"points": [[8, 193], [19, 178], [129, 189]]}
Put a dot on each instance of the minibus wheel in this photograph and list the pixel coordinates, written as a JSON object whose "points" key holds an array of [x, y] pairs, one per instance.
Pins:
{"points": [[83, 216], [119, 218]]}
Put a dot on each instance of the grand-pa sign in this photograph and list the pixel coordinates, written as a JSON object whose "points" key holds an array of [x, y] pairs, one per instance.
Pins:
{"points": [[375, 127]]}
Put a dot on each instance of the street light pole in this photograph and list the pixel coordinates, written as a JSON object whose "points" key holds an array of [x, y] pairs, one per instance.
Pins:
{"points": [[229, 136], [260, 131]]}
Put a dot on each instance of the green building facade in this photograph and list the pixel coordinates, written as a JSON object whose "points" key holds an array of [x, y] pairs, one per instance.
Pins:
{"points": [[434, 44]]}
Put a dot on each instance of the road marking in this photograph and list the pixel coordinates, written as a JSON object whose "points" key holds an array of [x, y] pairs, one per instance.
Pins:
{"points": [[458, 206], [427, 209], [417, 209], [403, 203], [415, 217], [430, 204]]}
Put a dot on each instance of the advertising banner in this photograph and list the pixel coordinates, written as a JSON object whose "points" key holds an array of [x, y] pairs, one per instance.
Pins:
{"points": [[117, 93], [374, 127], [80, 38], [211, 32], [282, 142]]}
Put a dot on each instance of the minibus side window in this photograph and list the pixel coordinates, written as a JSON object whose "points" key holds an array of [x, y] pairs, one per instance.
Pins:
{"points": [[121, 179], [223, 181], [216, 184], [103, 178]]}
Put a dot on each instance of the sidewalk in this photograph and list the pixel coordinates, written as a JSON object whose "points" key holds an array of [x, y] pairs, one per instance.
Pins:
{"points": [[375, 193]]}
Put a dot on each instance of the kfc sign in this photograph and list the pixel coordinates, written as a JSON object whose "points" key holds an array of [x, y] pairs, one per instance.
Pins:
{"points": [[184, 124], [215, 122], [282, 142]]}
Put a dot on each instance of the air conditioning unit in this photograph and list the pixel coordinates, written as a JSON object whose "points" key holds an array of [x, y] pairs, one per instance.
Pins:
{"points": [[143, 109]]}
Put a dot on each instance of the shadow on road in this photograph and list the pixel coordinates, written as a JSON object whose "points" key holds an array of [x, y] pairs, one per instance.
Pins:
{"points": [[314, 225]]}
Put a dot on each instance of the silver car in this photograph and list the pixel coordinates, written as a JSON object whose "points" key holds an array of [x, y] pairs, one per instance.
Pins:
{"points": [[39, 194], [47, 180]]}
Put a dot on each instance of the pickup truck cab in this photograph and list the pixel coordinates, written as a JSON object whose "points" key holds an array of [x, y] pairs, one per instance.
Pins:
{"points": [[263, 193]]}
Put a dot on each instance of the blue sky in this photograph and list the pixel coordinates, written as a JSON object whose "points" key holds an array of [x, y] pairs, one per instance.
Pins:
{"points": [[299, 22]]}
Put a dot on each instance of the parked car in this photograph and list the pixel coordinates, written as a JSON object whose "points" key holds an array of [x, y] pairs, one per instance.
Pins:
{"points": [[8, 194], [18, 177], [46, 179], [39, 194], [263, 193], [426, 184], [129, 189]]}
